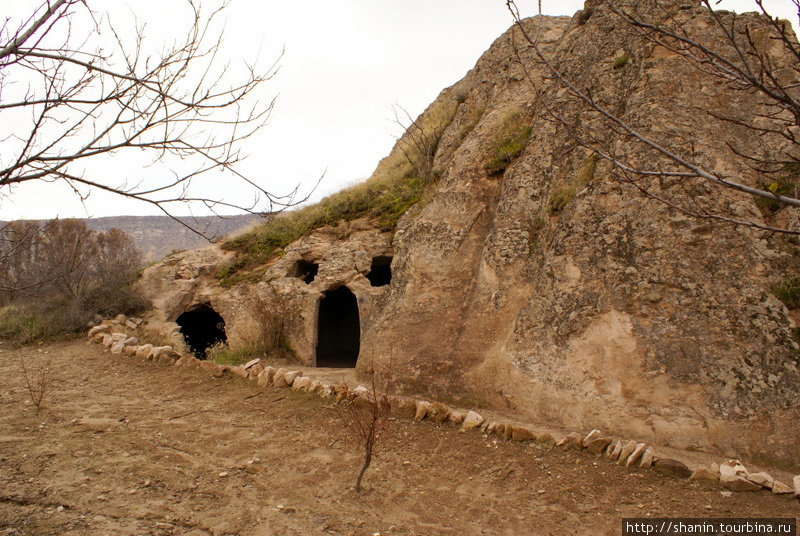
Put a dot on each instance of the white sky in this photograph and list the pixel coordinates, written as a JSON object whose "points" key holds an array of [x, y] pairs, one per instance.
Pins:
{"points": [[345, 64]]}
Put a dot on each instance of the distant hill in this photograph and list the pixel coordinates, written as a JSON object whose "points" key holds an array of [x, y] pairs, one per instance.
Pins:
{"points": [[158, 236]]}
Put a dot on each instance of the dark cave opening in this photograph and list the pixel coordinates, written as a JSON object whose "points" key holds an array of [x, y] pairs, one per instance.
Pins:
{"points": [[380, 274], [339, 329], [202, 327], [305, 270]]}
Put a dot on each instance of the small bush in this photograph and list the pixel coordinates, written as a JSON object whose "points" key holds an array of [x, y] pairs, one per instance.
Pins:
{"points": [[561, 197], [621, 61], [222, 355], [509, 142], [587, 170], [21, 325], [420, 141], [788, 291], [771, 206]]}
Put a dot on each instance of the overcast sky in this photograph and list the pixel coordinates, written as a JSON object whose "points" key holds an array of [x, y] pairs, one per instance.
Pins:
{"points": [[345, 64]]}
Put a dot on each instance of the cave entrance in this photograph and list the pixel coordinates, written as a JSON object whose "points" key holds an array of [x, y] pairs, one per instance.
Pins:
{"points": [[380, 273], [339, 329], [305, 270], [202, 327]]}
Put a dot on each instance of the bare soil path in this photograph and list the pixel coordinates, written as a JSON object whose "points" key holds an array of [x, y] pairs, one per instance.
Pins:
{"points": [[126, 447]]}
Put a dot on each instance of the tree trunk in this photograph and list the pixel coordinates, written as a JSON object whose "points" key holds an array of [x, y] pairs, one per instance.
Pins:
{"points": [[367, 460]]}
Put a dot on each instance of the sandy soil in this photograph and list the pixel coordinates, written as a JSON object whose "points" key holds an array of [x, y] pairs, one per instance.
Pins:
{"points": [[126, 447]]}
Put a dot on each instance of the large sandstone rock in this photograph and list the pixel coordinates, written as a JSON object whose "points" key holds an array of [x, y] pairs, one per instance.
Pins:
{"points": [[552, 286]]}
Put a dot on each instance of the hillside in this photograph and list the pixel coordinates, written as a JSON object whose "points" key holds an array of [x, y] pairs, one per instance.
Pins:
{"points": [[157, 236]]}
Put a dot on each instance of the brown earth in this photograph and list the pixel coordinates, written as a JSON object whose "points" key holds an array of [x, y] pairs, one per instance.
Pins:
{"points": [[126, 447]]}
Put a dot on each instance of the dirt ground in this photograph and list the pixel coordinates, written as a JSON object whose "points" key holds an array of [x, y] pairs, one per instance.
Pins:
{"points": [[126, 447]]}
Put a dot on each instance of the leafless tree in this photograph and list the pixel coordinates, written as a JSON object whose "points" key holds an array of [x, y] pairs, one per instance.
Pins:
{"points": [[366, 418], [760, 57], [74, 88], [421, 136], [36, 380], [63, 264]]}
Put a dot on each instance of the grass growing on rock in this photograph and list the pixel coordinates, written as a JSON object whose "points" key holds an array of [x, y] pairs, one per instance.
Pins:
{"points": [[788, 291], [509, 142], [384, 198], [400, 181]]}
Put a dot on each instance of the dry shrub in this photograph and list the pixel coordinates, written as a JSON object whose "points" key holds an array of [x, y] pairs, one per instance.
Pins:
{"points": [[36, 380], [366, 419]]}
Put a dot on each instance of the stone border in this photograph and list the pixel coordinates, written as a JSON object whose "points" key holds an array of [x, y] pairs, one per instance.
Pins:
{"points": [[730, 475]]}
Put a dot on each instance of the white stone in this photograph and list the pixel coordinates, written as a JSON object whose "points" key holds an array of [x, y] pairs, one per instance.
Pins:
{"points": [[594, 434], [779, 488], [613, 452], [144, 351], [636, 454], [252, 362], [131, 341], [277, 378], [796, 482], [732, 480], [290, 376], [422, 410], [301, 383], [117, 348], [360, 390], [647, 458], [98, 330], [472, 420], [626, 451], [158, 351], [764, 480]]}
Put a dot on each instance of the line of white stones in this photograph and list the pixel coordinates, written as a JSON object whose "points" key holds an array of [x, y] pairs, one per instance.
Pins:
{"points": [[730, 475]]}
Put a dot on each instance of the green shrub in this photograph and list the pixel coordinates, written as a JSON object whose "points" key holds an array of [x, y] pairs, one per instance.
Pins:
{"points": [[382, 200], [222, 355], [509, 142], [781, 187], [21, 325], [621, 61], [561, 197], [788, 291]]}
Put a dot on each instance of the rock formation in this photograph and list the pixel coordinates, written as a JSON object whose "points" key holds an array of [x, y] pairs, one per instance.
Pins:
{"points": [[545, 284]]}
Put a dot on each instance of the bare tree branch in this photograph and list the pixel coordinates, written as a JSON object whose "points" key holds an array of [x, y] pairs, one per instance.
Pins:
{"points": [[742, 62], [77, 99]]}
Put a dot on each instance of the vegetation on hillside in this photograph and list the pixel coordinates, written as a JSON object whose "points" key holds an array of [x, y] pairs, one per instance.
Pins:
{"points": [[508, 143], [400, 181], [57, 276]]}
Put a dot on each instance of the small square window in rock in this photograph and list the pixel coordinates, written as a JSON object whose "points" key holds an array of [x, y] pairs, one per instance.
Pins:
{"points": [[305, 270], [380, 274]]}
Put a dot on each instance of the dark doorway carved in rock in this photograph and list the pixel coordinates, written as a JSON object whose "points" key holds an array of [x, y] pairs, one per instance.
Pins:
{"points": [[202, 327], [339, 329]]}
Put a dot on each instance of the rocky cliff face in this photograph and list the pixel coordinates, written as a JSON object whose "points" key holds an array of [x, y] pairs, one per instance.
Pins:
{"points": [[551, 286]]}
